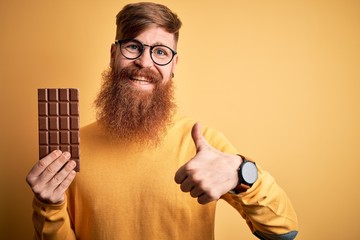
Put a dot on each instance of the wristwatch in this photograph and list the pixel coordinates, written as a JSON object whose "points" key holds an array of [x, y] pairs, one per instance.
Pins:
{"points": [[247, 173]]}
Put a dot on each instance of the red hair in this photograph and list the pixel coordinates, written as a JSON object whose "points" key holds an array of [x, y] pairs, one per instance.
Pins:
{"points": [[133, 19]]}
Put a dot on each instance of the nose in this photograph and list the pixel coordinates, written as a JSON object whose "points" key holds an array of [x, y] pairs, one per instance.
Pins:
{"points": [[145, 59]]}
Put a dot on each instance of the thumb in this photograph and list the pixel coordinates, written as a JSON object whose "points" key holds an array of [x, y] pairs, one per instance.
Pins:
{"points": [[199, 140]]}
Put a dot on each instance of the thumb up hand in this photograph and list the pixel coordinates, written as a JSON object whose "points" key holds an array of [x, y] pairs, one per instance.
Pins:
{"points": [[200, 142], [210, 173]]}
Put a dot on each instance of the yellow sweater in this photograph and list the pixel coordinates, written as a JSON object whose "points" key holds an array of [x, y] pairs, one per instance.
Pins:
{"points": [[127, 192]]}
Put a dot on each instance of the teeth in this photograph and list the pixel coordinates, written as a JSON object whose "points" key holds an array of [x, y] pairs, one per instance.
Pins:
{"points": [[142, 82], [139, 78]]}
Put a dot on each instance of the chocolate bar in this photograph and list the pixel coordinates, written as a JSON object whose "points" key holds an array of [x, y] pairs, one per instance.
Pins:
{"points": [[58, 115]]}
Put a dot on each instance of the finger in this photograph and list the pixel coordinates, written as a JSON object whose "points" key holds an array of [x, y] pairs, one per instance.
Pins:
{"points": [[63, 186], [198, 138], [187, 185], [43, 163], [196, 192], [204, 199], [52, 169], [180, 175], [62, 174]]}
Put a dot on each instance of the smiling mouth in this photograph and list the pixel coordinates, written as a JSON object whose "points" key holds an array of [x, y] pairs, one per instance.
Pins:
{"points": [[140, 81]]}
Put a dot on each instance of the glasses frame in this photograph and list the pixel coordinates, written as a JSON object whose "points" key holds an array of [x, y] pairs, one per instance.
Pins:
{"points": [[143, 45]]}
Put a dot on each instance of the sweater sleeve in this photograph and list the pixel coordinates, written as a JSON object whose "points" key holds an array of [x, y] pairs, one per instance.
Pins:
{"points": [[266, 209], [51, 221], [265, 206]]}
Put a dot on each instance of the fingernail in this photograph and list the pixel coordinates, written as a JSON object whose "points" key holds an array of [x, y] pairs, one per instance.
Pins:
{"points": [[57, 152], [67, 154], [73, 164]]}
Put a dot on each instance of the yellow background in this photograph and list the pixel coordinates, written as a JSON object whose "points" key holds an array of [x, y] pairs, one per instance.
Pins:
{"points": [[281, 79]]}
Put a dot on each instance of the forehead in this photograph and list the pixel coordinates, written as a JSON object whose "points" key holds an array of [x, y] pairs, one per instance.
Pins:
{"points": [[156, 35]]}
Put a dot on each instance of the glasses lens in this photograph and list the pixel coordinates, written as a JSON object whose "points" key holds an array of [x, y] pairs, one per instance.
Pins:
{"points": [[161, 54], [131, 49]]}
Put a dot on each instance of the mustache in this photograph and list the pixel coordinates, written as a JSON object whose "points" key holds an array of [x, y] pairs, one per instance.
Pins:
{"points": [[135, 72]]}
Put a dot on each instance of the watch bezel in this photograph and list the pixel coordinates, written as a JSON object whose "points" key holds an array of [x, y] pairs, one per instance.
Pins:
{"points": [[243, 185], [248, 172]]}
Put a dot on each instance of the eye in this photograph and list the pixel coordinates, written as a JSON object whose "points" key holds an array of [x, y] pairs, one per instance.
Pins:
{"points": [[132, 47], [161, 52]]}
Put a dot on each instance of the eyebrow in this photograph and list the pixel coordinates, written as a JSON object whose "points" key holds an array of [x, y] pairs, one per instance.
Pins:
{"points": [[156, 43], [159, 43]]}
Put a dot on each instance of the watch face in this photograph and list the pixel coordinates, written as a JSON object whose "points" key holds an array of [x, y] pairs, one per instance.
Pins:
{"points": [[249, 172]]}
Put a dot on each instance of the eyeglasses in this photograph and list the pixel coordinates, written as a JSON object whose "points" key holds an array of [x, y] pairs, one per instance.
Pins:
{"points": [[133, 49]]}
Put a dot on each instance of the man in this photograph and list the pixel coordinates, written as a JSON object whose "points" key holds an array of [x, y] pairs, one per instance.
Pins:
{"points": [[140, 145]]}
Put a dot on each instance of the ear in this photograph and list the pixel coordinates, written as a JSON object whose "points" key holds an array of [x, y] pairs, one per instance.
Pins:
{"points": [[112, 54], [174, 63]]}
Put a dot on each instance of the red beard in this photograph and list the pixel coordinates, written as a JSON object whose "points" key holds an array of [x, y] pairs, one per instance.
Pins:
{"points": [[134, 115]]}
